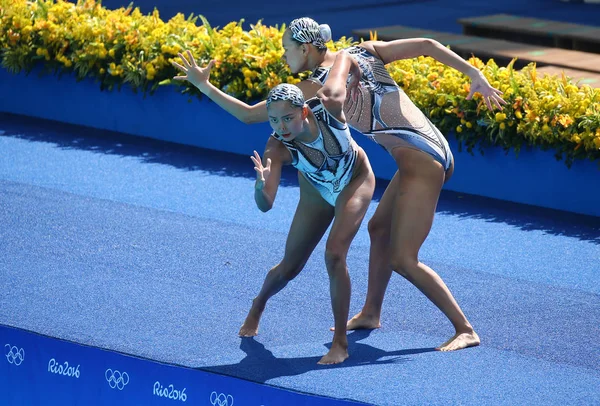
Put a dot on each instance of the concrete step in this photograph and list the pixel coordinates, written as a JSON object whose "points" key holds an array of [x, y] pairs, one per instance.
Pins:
{"points": [[534, 31]]}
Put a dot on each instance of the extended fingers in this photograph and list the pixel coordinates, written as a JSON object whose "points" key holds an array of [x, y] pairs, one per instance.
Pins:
{"points": [[256, 159], [192, 60], [178, 66], [256, 162], [498, 102], [184, 61]]}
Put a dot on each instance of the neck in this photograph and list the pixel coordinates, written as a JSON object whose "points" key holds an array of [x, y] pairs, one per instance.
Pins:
{"points": [[318, 59], [310, 129]]}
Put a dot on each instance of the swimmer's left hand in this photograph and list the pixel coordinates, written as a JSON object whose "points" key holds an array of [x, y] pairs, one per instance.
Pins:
{"points": [[491, 96]]}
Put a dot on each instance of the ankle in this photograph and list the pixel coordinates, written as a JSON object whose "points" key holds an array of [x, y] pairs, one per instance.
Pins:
{"points": [[371, 312], [464, 329]]}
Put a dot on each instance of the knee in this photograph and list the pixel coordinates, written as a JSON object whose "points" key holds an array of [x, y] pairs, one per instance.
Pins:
{"points": [[335, 258], [288, 271], [404, 265], [378, 230]]}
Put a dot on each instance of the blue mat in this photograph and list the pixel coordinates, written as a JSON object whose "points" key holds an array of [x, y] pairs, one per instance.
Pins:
{"points": [[156, 250]]}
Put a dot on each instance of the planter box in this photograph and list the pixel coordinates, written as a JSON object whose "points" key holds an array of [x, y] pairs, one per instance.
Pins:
{"points": [[534, 177]]}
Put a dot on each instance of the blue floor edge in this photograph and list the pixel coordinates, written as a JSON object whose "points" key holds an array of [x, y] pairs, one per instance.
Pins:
{"points": [[46, 370]]}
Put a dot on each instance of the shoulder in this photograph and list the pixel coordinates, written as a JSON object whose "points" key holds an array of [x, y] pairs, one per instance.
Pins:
{"points": [[319, 75], [277, 150], [315, 104], [320, 111], [365, 49], [310, 87]]}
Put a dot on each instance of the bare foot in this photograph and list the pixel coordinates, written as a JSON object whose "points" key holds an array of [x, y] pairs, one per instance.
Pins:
{"points": [[460, 341], [336, 355], [362, 322], [250, 326]]}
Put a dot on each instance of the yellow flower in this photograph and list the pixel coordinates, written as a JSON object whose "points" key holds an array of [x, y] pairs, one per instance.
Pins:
{"points": [[565, 120], [500, 117], [459, 129], [432, 76]]}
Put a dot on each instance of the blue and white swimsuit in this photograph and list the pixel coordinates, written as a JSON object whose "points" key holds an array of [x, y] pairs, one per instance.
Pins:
{"points": [[397, 118], [327, 162]]}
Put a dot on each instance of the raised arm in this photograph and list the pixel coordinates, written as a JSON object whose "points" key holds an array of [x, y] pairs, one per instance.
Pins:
{"points": [[246, 113], [390, 51], [268, 173]]}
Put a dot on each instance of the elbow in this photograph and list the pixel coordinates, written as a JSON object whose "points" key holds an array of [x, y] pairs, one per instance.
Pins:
{"points": [[247, 119], [265, 208], [253, 115], [429, 46], [264, 205]]}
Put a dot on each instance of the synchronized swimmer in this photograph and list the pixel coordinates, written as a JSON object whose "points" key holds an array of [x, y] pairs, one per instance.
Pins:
{"points": [[379, 109]]}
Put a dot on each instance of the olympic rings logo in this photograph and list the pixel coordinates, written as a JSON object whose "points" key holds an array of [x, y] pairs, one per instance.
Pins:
{"points": [[14, 355], [221, 399], [116, 379]]}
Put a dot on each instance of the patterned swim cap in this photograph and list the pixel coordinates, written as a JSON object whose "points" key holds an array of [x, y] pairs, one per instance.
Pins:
{"points": [[307, 31], [288, 92]]}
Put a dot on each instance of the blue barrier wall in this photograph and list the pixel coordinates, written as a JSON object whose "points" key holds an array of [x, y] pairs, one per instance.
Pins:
{"points": [[535, 177], [38, 370]]}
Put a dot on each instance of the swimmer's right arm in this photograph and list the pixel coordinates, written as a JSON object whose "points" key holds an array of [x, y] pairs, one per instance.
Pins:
{"points": [[199, 76], [248, 114]]}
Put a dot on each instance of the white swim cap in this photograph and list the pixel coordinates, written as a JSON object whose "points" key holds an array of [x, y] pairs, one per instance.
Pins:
{"points": [[288, 92], [307, 31]]}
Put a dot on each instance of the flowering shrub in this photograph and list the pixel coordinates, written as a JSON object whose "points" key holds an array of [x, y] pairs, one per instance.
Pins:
{"points": [[117, 47], [549, 112]]}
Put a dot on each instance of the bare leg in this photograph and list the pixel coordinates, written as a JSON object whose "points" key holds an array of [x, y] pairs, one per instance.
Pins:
{"points": [[380, 270], [419, 186], [350, 210], [313, 216]]}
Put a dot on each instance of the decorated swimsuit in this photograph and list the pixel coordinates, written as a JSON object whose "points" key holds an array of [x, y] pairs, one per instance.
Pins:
{"points": [[384, 113], [327, 162]]}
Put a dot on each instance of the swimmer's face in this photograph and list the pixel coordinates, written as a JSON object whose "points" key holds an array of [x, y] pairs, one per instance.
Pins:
{"points": [[295, 54], [286, 119]]}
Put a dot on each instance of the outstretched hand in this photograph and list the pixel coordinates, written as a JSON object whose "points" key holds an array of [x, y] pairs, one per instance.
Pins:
{"points": [[491, 96], [194, 74], [262, 172]]}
